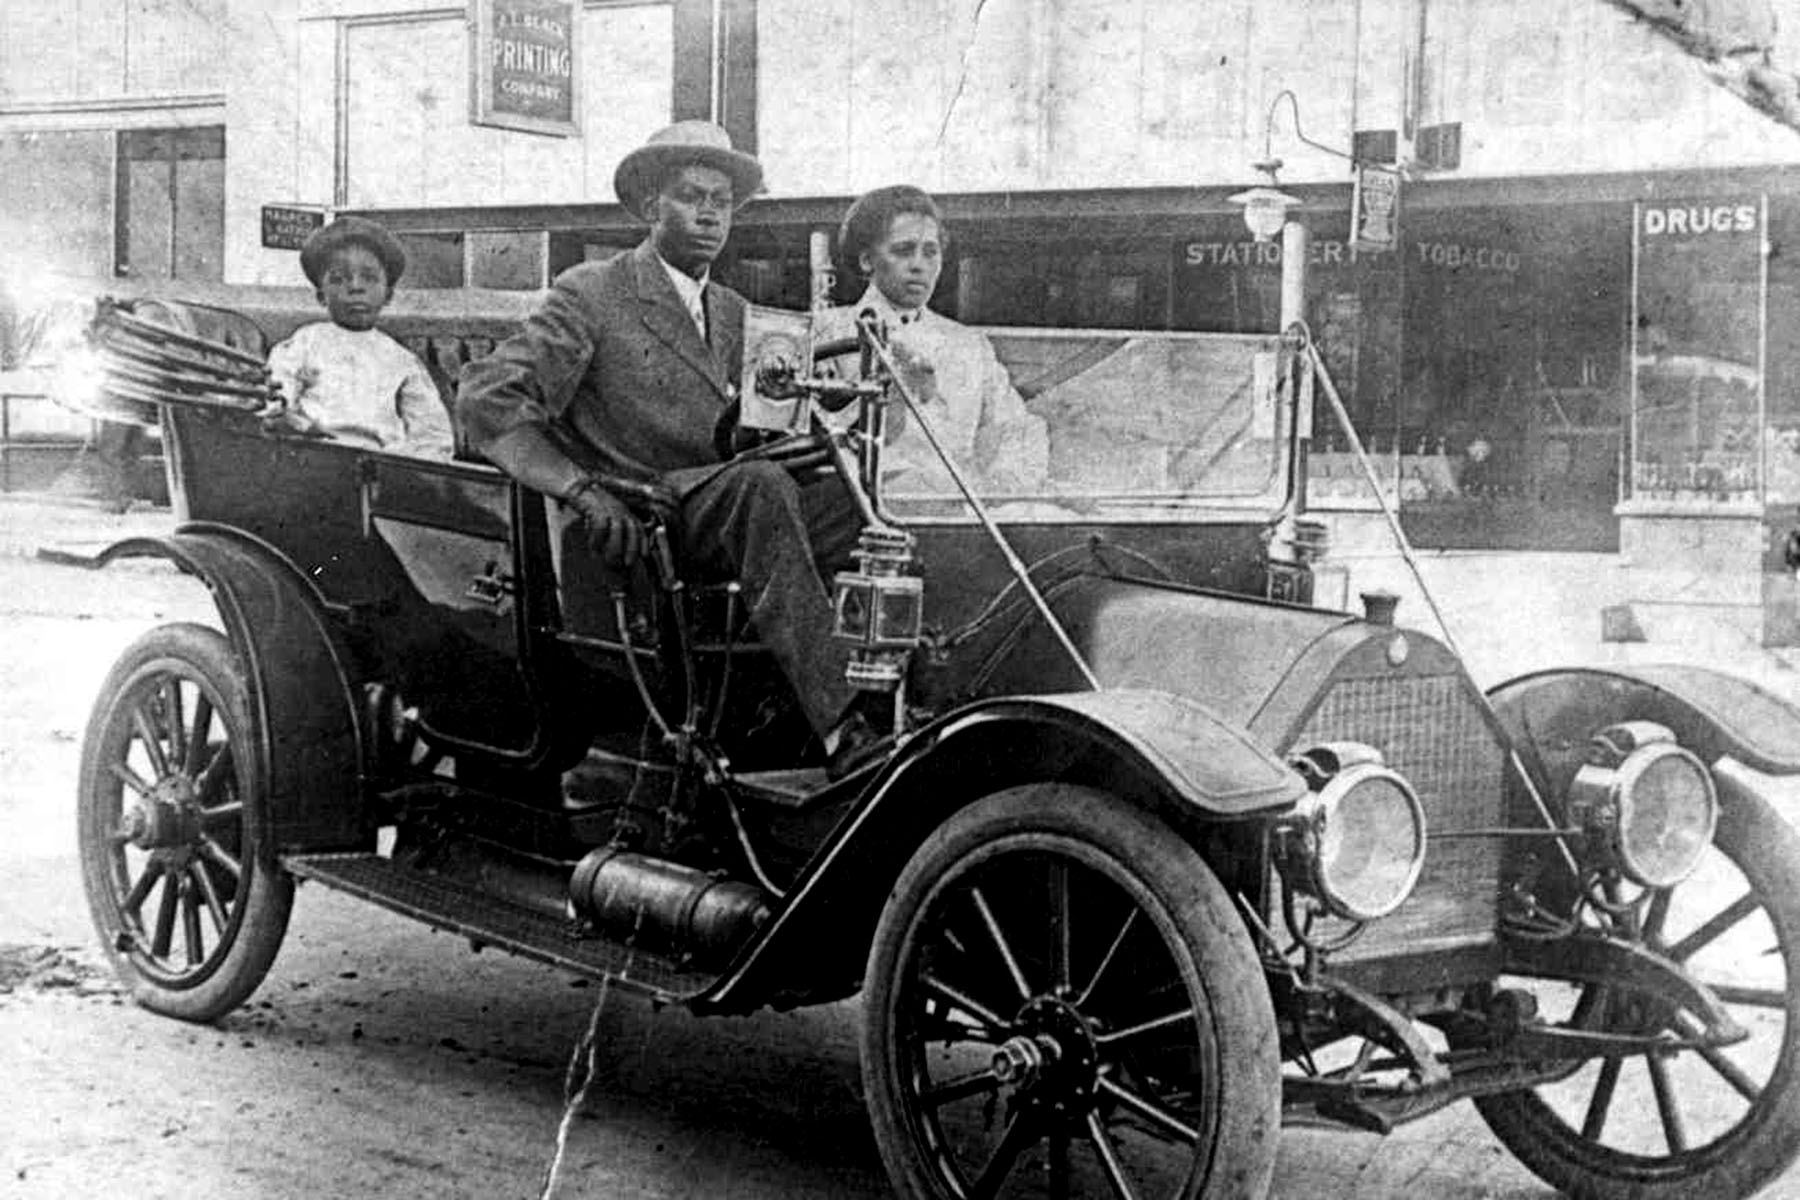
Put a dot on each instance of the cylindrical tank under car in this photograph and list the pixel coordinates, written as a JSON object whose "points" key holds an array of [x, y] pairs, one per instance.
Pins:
{"points": [[666, 907]]}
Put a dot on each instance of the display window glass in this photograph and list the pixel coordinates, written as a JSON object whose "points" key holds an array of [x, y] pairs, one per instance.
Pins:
{"points": [[1698, 350]]}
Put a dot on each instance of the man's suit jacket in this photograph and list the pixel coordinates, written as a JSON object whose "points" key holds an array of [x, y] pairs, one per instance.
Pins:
{"points": [[613, 368]]}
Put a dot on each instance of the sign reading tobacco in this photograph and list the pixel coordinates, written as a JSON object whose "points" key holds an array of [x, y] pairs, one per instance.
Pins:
{"points": [[523, 73]]}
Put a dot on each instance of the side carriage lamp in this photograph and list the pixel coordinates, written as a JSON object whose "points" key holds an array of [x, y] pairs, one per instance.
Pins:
{"points": [[879, 609], [879, 606]]}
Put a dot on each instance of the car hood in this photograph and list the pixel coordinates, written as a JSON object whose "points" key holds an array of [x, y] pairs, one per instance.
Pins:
{"points": [[1251, 662]]}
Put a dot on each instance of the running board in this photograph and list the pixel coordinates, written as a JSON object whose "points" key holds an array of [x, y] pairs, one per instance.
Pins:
{"points": [[486, 920]]}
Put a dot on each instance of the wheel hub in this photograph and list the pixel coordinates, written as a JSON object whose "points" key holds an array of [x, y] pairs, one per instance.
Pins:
{"points": [[169, 816], [1020, 1059], [1053, 1059]]}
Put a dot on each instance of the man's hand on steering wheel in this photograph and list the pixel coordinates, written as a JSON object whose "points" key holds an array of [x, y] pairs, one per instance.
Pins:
{"points": [[614, 531]]}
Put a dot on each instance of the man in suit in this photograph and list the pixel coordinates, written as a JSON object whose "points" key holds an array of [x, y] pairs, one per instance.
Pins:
{"points": [[623, 374]]}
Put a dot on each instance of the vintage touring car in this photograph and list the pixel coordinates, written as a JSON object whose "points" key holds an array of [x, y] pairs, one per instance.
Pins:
{"points": [[1162, 856]]}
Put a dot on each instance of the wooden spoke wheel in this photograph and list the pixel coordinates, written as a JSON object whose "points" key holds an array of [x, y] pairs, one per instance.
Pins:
{"points": [[183, 889], [1682, 1124], [1061, 1001]]}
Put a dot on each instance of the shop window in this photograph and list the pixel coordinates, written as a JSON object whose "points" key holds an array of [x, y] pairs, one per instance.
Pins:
{"points": [[169, 220], [772, 266], [1697, 416], [433, 260], [510, 260], [1502, 425], [1225, 282], [1058, 282], [568, 248]]}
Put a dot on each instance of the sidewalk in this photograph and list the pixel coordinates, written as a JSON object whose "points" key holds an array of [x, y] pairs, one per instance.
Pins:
{"points": [[59, 528], [1512, 612]]}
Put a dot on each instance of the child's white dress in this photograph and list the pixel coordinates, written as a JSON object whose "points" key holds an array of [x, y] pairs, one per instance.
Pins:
{"points": [[362, 385]]}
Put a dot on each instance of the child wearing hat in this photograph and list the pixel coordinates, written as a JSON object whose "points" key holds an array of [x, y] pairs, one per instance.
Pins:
{"points": [[344, 378]]}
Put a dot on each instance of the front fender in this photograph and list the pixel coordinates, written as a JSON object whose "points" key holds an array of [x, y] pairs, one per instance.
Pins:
{"points": [[1550, 716], [298, 670], [1168, 753]]}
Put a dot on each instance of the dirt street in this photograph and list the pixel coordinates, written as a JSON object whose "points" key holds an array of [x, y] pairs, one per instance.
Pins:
{"points": [[381, 1059]]}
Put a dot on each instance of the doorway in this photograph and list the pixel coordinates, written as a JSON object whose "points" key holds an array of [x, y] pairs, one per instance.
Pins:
{"points": [[169, 221]]}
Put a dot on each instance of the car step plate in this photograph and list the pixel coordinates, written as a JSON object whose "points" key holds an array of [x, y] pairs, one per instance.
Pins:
{"points": [[486, 920]]}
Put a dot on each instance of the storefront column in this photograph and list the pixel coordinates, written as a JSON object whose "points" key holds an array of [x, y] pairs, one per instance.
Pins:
{"points": [[715, 66]]}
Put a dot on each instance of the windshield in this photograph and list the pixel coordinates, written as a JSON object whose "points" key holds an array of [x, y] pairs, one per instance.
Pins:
{"points": [[1120, 426]]}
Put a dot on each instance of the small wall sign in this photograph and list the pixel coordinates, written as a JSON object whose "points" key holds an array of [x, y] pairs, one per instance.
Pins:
{"points": [[1377, 204], [523, 71], [287, 226]]}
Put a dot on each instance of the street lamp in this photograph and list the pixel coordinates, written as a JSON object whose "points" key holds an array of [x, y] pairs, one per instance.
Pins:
{"points": [[1266, 214], [1265, 207]]}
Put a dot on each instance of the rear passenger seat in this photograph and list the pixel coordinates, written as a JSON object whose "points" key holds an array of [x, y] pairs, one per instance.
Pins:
{"points": [[434, 338]]}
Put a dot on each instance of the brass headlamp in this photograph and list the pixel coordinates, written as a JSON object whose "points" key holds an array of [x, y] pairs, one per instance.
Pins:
{"points": [[1647, 805], [1356, 842]]}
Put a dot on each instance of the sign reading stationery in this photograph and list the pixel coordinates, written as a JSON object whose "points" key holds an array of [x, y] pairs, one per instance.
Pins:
{"points": [[523, 73]]}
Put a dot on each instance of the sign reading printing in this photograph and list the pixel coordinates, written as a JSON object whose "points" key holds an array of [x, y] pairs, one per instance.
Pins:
{"points": [[287, 226], [524, 73]]}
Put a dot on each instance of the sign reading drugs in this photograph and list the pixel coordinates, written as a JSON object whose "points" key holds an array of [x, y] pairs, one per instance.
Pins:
{"points": [[523, 71], [1693, 220]]}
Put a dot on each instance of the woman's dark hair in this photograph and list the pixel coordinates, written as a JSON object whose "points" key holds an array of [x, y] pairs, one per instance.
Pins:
{"points": [[873, 212]]}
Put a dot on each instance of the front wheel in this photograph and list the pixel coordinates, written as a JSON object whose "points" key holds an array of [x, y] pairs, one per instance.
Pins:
{"points": [[1061, 1001], [181, 882], [1682, 1125]]}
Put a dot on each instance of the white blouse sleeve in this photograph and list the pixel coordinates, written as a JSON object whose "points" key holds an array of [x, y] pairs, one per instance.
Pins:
{"points": [[422, 412], [1012, 444]]}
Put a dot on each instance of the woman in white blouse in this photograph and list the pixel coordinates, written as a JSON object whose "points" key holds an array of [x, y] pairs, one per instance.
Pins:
{"points": [[895, 237]]}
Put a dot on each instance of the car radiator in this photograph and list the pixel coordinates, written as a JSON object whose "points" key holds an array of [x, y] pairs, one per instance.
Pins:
{"points": [[1433, 730]]}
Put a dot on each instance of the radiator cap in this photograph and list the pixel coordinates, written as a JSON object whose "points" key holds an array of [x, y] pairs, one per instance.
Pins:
{"points": [[1379, 606]]}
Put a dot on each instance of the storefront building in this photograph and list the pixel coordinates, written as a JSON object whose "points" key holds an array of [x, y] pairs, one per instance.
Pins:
{"points": [[112, 149], [112, 140], [1536, 362]]}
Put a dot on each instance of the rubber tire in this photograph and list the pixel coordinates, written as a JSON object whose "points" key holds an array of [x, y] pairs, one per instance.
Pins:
{"points": [[1220, 956], [1762, 845], [265, 895]]}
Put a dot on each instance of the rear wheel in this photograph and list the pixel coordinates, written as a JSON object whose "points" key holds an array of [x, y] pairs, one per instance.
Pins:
{"points": [[181, 882], [1061, 1001], [1680, 1125]]}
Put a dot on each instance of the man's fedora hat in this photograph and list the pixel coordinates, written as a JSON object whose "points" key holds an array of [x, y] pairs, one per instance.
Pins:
{"points": [[352, 231], [685, 143]]}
